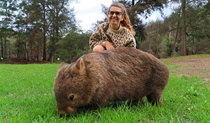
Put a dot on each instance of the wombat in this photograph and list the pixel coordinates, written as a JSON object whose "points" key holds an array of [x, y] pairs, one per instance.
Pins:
{"points": [[120, 74]]}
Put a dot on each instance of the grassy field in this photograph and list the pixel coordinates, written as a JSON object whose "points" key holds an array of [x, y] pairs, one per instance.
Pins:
{"points": [[26, 96]]}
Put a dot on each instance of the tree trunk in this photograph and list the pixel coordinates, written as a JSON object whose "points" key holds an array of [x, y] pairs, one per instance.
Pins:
{"points": [[2, 47], [175, 40], [5, 46], [44, 34], [183, 28]]}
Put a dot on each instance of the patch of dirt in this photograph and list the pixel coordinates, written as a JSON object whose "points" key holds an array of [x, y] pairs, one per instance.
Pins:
{"points": [[192, 66]]}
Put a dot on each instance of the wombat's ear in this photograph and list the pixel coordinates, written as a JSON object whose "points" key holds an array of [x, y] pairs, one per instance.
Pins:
{"points": [[79, 67], [62, 64]]}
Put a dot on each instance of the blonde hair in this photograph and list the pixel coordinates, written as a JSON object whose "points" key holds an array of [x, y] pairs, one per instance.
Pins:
{"points": [[126, 21]]}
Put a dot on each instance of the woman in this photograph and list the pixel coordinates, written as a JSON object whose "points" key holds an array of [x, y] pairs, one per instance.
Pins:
{"points": [[117, 32]]}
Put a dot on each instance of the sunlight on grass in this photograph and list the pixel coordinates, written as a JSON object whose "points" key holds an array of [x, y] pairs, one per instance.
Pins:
{"points": [[27, 96]]}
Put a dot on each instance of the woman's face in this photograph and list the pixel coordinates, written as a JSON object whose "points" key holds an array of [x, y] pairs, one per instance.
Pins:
{"points": [[115, 16]]}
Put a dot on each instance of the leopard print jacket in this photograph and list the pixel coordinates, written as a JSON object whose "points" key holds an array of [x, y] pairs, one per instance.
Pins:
{"points": [[118, 38]]}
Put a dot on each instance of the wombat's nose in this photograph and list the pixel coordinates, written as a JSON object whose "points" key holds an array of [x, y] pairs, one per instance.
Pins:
{"points": [[69, 110]]}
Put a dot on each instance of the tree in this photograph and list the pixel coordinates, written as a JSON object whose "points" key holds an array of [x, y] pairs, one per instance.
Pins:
{"points": [[183, 6], [44, 27], [60, 21], [7, 10], [36, 26], [190, 19], [42, 22], [197, 28], [74, 45], [157, 41]]}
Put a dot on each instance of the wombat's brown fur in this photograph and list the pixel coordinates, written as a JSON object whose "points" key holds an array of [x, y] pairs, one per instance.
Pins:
{"points": [[114, 75]]}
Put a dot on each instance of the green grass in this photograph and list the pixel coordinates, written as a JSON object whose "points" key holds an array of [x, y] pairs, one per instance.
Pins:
{"points": [[26, 96]]}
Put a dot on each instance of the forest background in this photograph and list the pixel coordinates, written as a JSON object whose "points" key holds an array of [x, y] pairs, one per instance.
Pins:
{"points": [[47, 31]]}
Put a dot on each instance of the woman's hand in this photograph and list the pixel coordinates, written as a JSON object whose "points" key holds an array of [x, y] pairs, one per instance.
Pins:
{"points": [[108, 45], [98, 48]]}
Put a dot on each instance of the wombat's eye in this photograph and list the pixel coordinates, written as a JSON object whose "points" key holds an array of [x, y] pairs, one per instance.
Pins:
{"points": [[71, 97]]}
